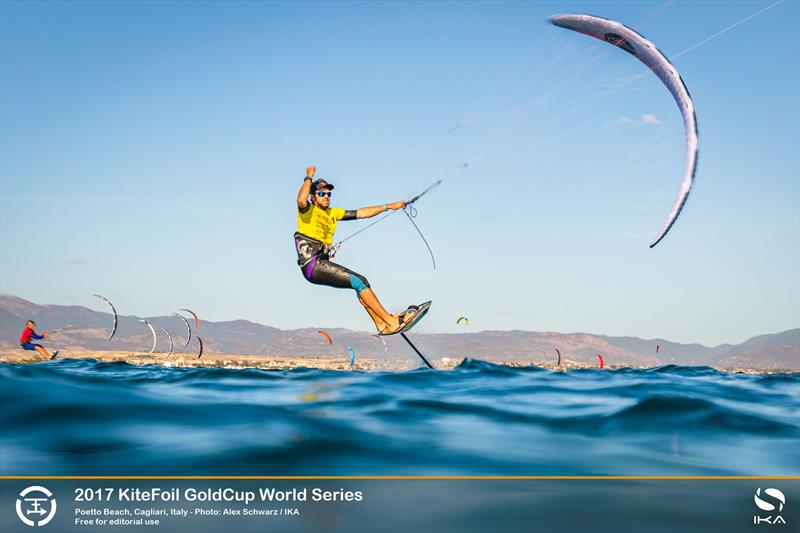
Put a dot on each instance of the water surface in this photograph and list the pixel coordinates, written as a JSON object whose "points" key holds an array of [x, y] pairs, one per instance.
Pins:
{"points": [[84, 417]]}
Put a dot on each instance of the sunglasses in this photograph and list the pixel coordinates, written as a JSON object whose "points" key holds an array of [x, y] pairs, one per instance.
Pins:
{"points": [[323, 194]]}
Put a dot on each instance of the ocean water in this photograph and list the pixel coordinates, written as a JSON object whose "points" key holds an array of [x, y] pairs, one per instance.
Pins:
{"points": [[84, 417]]}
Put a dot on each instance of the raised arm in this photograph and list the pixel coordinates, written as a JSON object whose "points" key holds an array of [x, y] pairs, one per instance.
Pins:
{"points": [[305, 190], [369, 212]]}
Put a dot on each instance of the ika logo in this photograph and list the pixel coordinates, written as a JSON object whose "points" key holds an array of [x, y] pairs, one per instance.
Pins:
{"points": [[37, 501], [771, 500]]}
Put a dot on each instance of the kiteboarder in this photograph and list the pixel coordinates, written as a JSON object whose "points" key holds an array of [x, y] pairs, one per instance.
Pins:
{"points": [[316, 224], [29, 333]]}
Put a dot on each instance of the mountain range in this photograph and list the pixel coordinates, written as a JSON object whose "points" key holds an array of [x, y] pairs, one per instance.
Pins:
{"points": [[86, 329]]}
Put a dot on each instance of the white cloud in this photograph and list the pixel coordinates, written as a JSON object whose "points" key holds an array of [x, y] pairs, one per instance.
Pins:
{"points": [[645, 119], [651, 119], [625, 119]]}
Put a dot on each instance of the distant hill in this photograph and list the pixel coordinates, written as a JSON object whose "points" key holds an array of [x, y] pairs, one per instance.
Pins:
{"points": [[779, 350], [89, 330]]}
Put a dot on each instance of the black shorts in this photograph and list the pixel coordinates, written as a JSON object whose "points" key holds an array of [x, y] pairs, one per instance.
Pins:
{"points": [[322, 271]]}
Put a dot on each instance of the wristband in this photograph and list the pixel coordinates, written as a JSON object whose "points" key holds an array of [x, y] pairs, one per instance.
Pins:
{"points": [[307, 178], [384, 208]]}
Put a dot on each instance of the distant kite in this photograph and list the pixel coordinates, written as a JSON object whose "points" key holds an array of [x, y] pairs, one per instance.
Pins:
{"points": [[170, 341], [200, 342], [463, 319], [155, 339], [196, 320], [188, 329], [327, 336], [114, 311], [631, 41], [559, 356], [385, 346], [602, 362]]}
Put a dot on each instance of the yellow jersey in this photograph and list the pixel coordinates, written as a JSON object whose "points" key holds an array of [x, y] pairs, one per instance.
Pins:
{"points": [[318, 223]]}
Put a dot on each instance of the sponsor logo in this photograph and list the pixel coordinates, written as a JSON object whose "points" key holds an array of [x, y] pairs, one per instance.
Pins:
{"points": [[36, 506], [772, 501], [619, 40]]}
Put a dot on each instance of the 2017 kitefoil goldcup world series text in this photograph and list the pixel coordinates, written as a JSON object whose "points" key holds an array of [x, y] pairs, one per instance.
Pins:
{"points": [[264, 494]]}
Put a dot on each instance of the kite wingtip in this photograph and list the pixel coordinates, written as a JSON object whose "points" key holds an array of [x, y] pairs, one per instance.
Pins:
{"points": [[658, 240], [556, 17]]}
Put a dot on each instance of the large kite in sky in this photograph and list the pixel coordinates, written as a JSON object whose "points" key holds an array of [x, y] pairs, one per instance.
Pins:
{"points": [[645, 51]]}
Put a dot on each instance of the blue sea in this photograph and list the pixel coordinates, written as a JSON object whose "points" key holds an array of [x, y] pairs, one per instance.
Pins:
{"points": [[84, 417]]}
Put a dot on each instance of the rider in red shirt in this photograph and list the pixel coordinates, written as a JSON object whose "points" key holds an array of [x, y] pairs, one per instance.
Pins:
{"points": [[29, 333]]}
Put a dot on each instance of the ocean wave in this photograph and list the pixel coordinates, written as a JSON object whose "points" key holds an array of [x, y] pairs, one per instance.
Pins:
{"points": [[84, 417]]}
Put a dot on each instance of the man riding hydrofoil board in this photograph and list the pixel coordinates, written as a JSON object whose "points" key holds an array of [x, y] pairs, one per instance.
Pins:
{"points": [[316, 224], [29, 334]]}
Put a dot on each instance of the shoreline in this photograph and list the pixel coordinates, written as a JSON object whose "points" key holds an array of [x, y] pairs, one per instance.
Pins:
{"points": [[283, 362]]}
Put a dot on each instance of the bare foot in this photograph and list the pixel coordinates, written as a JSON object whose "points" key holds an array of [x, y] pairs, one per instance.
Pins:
{"points": [[402, 320], [393, 325]]}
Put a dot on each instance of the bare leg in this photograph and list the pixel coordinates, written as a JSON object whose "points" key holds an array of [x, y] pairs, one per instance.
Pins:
{"points": [[379, 323], [334, 275], [382, 318], [43, 352]]}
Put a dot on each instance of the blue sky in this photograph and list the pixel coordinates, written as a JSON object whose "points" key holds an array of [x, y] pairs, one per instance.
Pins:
{"points": [[151, 152]]}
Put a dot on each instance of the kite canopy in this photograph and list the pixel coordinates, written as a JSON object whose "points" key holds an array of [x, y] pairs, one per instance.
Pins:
{"points": [[196, 319], [171, 346], [380, 338], [327, 336], [114, 311], [463, 319], [155, 339], [645, 51], [188, 329]]}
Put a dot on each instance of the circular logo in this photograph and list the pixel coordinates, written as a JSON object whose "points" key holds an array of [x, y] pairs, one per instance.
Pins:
{"points": [[36, 506], [775, 496]]}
